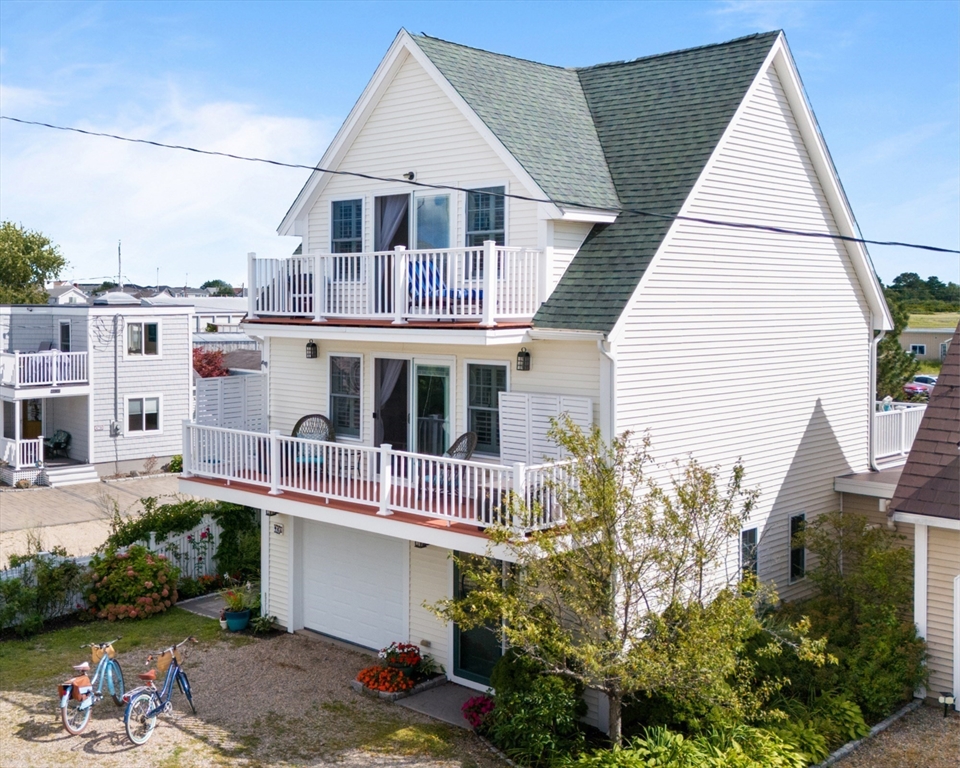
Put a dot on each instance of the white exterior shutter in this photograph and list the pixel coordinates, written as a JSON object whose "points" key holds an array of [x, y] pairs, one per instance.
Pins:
{"points": [[525, 421], [514, 428], [234, 402]]}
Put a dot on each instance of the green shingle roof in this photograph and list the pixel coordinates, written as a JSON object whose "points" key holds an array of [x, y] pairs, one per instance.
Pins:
{"points": [[656, 121]]}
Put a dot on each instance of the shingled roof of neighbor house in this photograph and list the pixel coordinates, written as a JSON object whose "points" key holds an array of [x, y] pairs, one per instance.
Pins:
{"points": [[930, 482], [634, 134]]}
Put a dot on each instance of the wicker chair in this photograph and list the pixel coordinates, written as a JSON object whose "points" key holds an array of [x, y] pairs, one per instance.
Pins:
{"points": [[315, 427], [463, 447]]}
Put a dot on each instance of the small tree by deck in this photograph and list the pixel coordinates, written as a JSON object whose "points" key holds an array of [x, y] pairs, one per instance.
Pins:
{"points": [[629, 594], [209, 363]]}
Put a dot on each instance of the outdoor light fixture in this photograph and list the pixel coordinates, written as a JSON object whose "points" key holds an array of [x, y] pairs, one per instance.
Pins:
{"points": [[311, 350], [420, 544], [271, 513], [523, 359], [409, 175], [946, 698]]}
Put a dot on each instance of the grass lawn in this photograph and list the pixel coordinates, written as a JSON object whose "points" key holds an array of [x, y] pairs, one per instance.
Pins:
{"points": [[935, 320]]}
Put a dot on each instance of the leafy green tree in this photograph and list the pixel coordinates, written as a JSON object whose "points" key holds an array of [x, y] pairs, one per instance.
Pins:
{"points": [[222, 287], [27, 260], [630, 595], [895, 366]]}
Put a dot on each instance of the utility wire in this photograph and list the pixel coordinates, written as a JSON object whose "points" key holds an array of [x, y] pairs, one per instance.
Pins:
{"points": [[512, 196]]}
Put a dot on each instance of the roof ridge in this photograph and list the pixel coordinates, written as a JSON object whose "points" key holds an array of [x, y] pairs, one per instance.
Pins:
{"points": [[495, 53], [679, 51]]}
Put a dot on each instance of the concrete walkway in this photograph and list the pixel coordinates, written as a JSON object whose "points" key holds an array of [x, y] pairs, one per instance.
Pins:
{"points": [[441, 703], [76, 517], [207, 605]]}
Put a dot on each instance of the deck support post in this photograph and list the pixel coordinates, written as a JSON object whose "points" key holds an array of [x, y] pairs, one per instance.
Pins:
{"points": [[186, 451], [400, 270], [386, 479], [489, 283], [275, 463], [519, 493]]}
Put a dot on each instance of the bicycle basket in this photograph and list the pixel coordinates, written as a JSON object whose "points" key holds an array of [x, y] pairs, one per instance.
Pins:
{"points": [[98, 653], [163, 662]]}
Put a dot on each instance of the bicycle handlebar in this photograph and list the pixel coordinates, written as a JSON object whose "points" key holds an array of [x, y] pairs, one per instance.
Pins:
{"points": [[171, 649], [100, 645]]}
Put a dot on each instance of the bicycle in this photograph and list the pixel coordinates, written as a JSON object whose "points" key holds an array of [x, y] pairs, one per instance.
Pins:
{"points": [[80, 693], [146, 702]]}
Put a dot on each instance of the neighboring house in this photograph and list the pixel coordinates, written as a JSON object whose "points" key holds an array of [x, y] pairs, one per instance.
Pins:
{"points": [[217, 313], [926, 343], [416, 314], [66, 294], [114, 376], [927, 499]]}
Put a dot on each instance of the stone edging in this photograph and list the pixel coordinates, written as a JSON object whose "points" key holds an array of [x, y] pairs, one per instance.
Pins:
{"points": [[426, 685], [495, 750], [850, 746]]}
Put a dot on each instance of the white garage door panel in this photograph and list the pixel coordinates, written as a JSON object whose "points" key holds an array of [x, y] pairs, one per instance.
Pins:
{"points": [[354, 584]]}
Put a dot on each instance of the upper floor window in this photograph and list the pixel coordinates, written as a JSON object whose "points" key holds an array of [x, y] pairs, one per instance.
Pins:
{"points": [[346, 226], [345, 395], [748, 552], [143, 414], [798, 554], [485, 216], [485, 383], [65, 336], [143, 339]]}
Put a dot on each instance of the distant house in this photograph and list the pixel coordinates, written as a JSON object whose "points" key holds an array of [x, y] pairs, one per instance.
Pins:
{"points": [[926, 343], [92, 389], [66, 293]]}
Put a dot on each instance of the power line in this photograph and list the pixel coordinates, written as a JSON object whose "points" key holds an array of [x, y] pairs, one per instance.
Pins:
{"points": [[512, 196]]}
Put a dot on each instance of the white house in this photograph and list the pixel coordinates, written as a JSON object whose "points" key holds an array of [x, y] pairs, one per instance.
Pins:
{"points": [[66, 293], [415, 314], [112, 378]]}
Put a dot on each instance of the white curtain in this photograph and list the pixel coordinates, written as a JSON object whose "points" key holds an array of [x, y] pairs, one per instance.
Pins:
{"points": [[389, 213]]}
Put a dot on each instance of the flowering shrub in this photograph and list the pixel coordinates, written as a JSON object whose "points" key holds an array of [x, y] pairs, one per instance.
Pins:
{"points": [[387, 679], [476, 710], [132, 584], [401, 654]]}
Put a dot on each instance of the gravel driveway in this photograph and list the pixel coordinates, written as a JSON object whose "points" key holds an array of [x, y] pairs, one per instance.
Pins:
{"points": [[282, 701], [922, 739]]}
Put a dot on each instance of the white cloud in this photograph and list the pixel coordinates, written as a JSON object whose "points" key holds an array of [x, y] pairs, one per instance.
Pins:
{"points": [[13, 100], [177, 211], [762, 15]]}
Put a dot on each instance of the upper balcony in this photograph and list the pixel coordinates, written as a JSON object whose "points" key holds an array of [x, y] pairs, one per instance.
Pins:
{"points": [[484, 285], [26, 372], [895, 427]]}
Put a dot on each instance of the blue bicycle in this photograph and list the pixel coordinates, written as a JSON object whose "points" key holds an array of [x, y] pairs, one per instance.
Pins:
{"points": [[146, 702], [80, 693]]}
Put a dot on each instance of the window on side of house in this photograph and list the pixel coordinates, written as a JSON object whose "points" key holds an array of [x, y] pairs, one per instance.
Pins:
{"points": [[484, 383], [918, 349], [485, 216], [143, 339], [345, 395], [748, 552], [798, 554], [143, 414], [65, 336], [346, 226]]}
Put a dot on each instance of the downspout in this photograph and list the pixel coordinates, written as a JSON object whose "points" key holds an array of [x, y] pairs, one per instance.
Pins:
{"points": [[873, 392], [115, 426], [611, 427]]}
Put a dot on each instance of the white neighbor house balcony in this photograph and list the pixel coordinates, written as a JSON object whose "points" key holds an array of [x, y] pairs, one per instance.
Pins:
{"points": [[449, 284], [42, 369], [377, 478], [21, 454], [895, 429]]}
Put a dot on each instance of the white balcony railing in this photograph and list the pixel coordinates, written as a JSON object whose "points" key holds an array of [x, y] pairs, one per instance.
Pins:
{"points": [[894, 430], [391, 481], [20, 454], [42, 369], [402, 285]]}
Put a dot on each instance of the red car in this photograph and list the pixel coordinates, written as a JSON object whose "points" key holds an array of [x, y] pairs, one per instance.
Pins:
{"points": [[915, 388]]}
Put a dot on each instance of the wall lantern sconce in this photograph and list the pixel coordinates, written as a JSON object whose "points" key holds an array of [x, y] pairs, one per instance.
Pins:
{"points": [[410, 175], [523, 360], [271, 513], [311, 350], [420, 544]]}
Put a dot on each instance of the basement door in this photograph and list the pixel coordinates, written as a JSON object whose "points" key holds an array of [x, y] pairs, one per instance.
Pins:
{"points": [[355, 585]]}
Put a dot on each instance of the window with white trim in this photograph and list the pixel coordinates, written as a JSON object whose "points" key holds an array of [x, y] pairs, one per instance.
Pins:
{"points": [[143, 338], [485, 216], [918, 349], [798, 554], [65, 336], [143, 414], [748, 552], [484, 385], [346, 226], [345, 395]]}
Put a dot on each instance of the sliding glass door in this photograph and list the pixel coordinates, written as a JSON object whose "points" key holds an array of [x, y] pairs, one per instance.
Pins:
{"points": [[432, 392]]}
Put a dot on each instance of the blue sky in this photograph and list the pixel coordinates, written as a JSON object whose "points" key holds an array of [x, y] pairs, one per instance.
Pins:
{"points": [[276, 79]]}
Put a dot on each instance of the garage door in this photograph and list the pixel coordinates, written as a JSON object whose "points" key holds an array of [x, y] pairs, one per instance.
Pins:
{"points": [[354, 584]]}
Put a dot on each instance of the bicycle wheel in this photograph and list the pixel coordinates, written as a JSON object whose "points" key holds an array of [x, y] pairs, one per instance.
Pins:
{"points": [[74, 718], [139, 727], [185, 688], [115, 677]]}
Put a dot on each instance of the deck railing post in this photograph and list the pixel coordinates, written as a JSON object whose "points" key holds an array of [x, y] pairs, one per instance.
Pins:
{"points": [[251, 284], [400, 260], [319, 292], [275, 463], [386, 478], [904, 448], [489, 283], [16, 370], [519, 493], [544, 268], [187, 451]]}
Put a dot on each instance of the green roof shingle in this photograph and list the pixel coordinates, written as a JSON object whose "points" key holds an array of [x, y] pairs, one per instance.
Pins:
{"points": [[627, 135]]}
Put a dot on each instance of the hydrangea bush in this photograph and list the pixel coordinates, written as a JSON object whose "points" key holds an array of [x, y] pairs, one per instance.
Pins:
{"points": [[134, 584]]}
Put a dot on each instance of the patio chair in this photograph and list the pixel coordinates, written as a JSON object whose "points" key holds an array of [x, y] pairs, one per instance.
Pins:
{"points": [[428, 287], [462, 448], [58, 445], [311, 427]]}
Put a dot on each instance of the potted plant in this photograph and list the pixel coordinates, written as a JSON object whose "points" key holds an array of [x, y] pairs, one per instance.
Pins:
{"points": [[238, 602], [402, 656], [223, 618]]}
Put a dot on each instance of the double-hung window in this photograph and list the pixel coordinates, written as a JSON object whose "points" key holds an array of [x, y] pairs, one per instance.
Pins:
{"points": [[485, 216], [918, 349], [346, 226], [798, 554], [345, 395], [143, 414], [485, 382], [748, 552], [143, 338]]}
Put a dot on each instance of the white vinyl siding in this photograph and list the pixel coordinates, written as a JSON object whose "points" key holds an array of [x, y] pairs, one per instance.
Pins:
{"points": [[943, 565], [736, 342], [278, 555], [568, 236], [430, 581], [415, 127], [71, 415]]}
